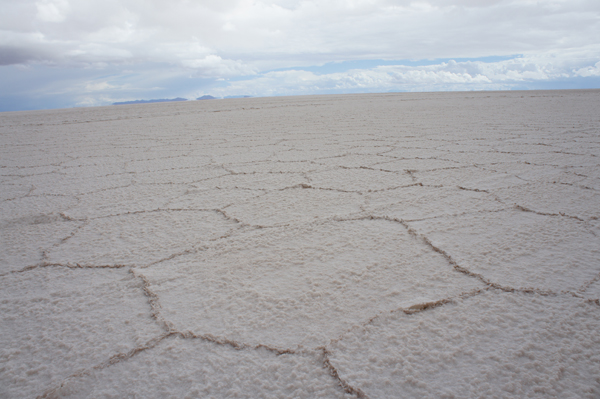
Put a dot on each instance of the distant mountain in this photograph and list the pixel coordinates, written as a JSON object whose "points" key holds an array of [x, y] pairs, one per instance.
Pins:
{"points": [[160, 100], [206, 97], [237, 96]]}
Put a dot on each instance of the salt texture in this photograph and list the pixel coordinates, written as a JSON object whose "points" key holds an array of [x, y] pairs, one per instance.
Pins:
{"points": [[373, 246]]}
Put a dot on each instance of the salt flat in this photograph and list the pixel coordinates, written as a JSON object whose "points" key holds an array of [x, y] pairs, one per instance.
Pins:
{"points": [[376, 246]]}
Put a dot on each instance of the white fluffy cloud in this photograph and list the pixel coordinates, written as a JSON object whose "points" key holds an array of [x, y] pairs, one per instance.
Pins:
{"points": [[589, 71], [516, 72]]}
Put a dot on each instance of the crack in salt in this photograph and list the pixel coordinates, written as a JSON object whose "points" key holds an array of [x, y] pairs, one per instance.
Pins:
{"points": [[124, 356], [449, 259], [522, 208], [594, 301], [335, 374], [153, 301], [587, 285], [157, 210], [53, 393], [473, 189], [469, 273], [361, 192], [67, 265]]}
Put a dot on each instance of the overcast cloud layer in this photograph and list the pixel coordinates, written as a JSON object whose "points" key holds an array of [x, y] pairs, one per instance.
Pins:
{"points": [[61, 53]]}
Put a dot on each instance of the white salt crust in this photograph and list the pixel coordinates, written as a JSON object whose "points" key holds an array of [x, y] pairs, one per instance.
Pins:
{"points": [[55, 322], [140, 238], [193, 368], [493, 345], [385, 245], [519, 249], [299, 287]]}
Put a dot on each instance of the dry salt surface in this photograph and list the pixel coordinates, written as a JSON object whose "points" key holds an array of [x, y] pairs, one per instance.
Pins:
{"points": [[425, 245]]}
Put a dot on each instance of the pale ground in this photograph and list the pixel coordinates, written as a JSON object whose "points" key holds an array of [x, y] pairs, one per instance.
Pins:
{"points": [[379, 246]]}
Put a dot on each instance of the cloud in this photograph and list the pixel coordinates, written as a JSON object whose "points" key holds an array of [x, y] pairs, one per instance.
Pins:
{"points": [[589, 71], [10, 55], [228, 46], [103, 86], [52, 10], [517, 72], [215, 66], [266, 34]]}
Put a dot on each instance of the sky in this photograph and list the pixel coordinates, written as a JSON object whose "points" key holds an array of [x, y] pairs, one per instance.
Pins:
{"points": [[73, 53]]}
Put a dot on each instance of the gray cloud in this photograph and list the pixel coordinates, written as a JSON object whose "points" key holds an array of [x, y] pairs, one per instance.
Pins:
{"points": [[10, 55], [183, 32]]}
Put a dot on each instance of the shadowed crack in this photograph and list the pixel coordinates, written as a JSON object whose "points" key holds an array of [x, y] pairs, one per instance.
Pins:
{"points": [[522, 208], [417, 308], [228, 217], [411, 173], [335, 374], [308, 186], [68, 265], [153, 302], [421, 307], [587, 285], [216, 210], [369, 168], [65, 239], [172, 256], [473, 189], [361, 192], [368, 217], [40, 219], [234, 344], [233, 173]]}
